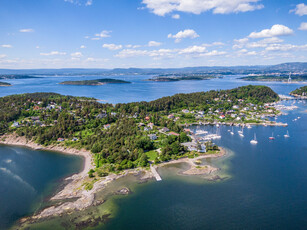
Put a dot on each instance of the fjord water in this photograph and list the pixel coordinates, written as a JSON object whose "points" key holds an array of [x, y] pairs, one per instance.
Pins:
{"points": [[266, 184], [266, 187], [27, 177]]}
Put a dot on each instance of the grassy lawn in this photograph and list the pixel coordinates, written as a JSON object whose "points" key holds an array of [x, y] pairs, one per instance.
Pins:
{"points": [[152, 155]]}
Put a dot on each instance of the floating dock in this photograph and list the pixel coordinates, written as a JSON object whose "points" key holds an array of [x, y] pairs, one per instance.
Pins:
{"points": [[155, 173]]}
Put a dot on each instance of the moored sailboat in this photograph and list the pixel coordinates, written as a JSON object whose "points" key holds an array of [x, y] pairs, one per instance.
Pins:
{"points": [[254, 141]]}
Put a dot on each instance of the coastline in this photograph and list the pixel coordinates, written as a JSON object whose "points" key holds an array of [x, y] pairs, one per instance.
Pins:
{"points": [[73, 189]]}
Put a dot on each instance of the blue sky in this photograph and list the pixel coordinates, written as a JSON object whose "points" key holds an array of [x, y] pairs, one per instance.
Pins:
{"points": [[151, 33]]}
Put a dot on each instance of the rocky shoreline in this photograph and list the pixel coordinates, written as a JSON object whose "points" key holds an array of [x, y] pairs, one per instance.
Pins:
{"points": [[73, 197]]}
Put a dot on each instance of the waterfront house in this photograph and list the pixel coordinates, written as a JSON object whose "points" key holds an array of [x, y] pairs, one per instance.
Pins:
{"points": [[147, 118], [153, 137], [171, 116], [151, 125], [107, 126], [165, 129], [173, 133], [15, 124], [101, 115]]}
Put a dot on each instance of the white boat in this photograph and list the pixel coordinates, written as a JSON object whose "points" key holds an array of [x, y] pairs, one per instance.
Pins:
{"points": [[232, 133], [254, 141], [287, 135], [200, 132], [272, 137], [249, 127], [241, 133]]}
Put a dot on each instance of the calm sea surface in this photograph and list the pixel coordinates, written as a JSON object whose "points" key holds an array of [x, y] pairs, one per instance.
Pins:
{"points": [[265, 185]]}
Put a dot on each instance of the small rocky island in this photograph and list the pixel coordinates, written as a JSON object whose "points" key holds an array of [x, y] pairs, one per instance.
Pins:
{"points": [[95, 82], [167, 78], [5, 84]]}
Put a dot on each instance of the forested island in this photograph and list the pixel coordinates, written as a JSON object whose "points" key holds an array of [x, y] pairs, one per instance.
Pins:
{"points": [[278, 78], [300, 92], [123, 136], [4, 84], [95, 82], [15, 76], [170, 78]]}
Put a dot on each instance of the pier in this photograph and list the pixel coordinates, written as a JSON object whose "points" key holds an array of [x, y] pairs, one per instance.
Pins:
{"points": [[155, 173]]}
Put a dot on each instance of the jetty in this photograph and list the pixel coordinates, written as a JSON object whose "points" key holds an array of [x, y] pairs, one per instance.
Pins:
{"points": [[155, 173]]}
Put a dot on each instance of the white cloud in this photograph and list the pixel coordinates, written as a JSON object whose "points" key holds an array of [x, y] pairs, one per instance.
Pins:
{"points": [[76, 55], [131, 53], [285, 47], [82, 47], [176, 16], [163, 7], [154, 43], [112, 46], [303, 26], [301, 9], [193, 49], [2, 55], [89, 3], [26, 30], [240, 43], [6, 46], [263, 42], [183, 34], [80, 2], [53, 53], [213, 53], [102, 34], [276, 30]]}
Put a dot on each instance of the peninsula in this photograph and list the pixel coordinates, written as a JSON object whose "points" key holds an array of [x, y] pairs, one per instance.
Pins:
{"points": [[16, 76], [300, 92], [95, 82], [125, 138], [5, 84], [277, 78]]}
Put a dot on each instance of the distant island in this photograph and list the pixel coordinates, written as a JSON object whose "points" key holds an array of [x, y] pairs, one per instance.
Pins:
{"points": [[95, 82], [300, 92], [281, 78], [16, 76], [5, 84], [169, 78]]}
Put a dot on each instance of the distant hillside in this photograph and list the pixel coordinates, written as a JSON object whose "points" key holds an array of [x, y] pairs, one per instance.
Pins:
{"points": [[222, 70]]}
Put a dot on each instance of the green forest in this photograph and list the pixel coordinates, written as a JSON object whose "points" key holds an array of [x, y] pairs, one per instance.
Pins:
{"points": [[95, 82], [302, 91], [118, 135]]}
